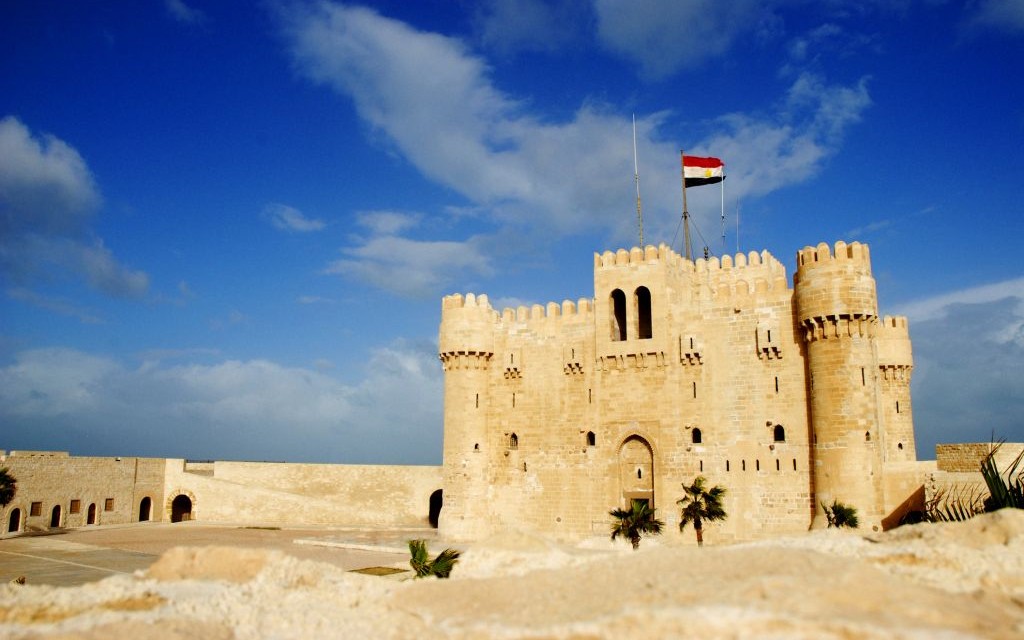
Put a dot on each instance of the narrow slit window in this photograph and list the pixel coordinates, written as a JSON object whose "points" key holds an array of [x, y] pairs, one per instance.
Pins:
{"points": [[513, 399], [776, 384], [694, 388], [726, 465], [897, 406], [639, 473], [478, 401], [757, 465], [863, 377], [702, 466], [794, 464], [743, 465], [778, 467]]}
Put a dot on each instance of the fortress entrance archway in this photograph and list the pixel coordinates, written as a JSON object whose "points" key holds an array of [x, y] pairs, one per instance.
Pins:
{"points": [[90, 517], [636, 471], [181, 508], [145, 508], [55, 517]]}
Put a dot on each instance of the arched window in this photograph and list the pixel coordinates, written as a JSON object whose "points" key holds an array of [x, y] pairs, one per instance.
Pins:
{"points": [[900, 446], [642, 297], [696, 436], [780, 433], [618, 304], [513, 441], [591, 439], [867, 436]]}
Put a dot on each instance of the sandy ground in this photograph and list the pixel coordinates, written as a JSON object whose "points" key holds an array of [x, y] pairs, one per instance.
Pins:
{"points": [[927, 581]]}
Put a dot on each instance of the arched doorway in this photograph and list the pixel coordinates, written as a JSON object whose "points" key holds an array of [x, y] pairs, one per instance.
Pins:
{"points": [[636, 471], [181, 509], [14, 524], [145, 509], [90, 517], [436, 502], [55, 517]]}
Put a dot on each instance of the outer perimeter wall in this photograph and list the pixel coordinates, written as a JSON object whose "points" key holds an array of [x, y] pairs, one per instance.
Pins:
{"points": [[263, 493]]}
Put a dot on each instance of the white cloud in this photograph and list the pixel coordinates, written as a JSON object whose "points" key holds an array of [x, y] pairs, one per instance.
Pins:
{"points": [[407, 267], [47, 198], [45, 185], [999, 15], [184, 13], [388, 222], [663, 36], [436, 102], [938, 307], [511, 26], [291, 219], [256, 409]]}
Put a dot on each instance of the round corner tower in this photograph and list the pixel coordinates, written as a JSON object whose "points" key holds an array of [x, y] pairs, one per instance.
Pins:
{"points": [[466, 347], [836, 304]]}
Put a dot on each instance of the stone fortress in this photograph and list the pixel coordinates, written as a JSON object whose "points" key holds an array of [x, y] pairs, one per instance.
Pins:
{"points": [[553, 415]]}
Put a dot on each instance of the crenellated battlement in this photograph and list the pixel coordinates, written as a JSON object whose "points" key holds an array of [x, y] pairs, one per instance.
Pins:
{"points": [[811, 257], [568, 309]]}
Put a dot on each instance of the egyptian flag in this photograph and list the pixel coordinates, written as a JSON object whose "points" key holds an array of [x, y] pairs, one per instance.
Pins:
{"points": [[700, 171]]}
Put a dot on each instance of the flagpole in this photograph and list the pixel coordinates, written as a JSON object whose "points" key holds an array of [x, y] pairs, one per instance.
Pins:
{"points": [[724, 248], [686, 214], [636, 178]]}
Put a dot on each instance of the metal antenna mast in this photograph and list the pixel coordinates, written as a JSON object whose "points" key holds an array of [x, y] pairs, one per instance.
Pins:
{"points": [[636, 178]]}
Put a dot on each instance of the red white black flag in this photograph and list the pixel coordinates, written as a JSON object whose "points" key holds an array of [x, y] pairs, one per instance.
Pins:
{"points": [[700, 171]]}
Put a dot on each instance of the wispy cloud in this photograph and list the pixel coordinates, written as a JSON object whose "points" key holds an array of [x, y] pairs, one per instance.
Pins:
{"points": [[938, 307], [289, 218], [184, 13], [47, 199], [663, 36], [513, 26], [57, 305], [435, 100], [996, 15], [229, 409]]}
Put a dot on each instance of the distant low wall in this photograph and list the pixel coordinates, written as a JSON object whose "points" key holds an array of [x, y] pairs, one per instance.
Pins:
{"points": [[967, 457], [264, 493]]}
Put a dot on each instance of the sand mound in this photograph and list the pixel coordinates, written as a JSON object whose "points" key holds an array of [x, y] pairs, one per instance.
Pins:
{"points": [[927, 581]]}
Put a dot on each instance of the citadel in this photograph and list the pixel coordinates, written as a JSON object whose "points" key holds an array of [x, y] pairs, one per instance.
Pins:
{"points": [[789, 397]]}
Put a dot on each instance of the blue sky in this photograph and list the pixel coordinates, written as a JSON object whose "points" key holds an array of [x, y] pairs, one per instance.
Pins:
{"points": [[225, 229]]}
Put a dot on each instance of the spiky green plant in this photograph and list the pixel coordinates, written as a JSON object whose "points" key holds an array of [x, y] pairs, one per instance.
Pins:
{"points": [[1005, 490], [635, 522], [840, 515], [420, 561], [8, 487], [701, 505]]}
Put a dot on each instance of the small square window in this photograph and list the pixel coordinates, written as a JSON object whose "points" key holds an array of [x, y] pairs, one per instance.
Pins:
{"points": [[76, 506], [36, 509], [108, 504]]}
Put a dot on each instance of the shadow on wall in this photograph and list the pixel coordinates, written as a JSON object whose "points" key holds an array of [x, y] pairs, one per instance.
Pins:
{"points": [[436, 502]]}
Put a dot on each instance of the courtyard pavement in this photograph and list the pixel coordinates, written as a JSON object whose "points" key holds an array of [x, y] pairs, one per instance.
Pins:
{"points": [[77, 556]]}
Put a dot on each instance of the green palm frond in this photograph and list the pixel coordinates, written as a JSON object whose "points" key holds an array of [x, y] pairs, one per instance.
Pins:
{"points": [[420, 561], [635, 522], [8, 487]]}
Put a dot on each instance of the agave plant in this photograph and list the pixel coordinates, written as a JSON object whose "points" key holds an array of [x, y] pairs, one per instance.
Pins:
{"points": [[441, 566], [840, 515], [1004, 490]]}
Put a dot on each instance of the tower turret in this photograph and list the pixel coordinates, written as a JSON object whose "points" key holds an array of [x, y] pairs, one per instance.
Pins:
{"points": [[837, 308], [466, 347], [895, 364]]}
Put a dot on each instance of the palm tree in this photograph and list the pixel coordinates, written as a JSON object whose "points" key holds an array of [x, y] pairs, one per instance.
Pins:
{"points": [[840, 515], [701, 505], [634, 522], [441, 566], [8, 487]]}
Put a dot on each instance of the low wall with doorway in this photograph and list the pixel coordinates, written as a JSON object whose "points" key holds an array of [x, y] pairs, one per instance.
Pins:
{"points": [[287, 494], [57, 490]]}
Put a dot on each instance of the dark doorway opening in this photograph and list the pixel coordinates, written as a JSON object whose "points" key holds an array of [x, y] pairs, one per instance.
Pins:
{"points": [[55, 517], [181, 509], [436, 502], [14, 524], [145, 508], [90, 518]]}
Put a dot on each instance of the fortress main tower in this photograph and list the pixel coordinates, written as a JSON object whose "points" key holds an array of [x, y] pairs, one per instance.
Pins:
{"points": [[787, 397]]}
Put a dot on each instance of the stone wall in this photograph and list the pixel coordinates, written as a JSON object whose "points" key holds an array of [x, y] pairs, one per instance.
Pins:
{"points": [[284, 494], [65, 491]]}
